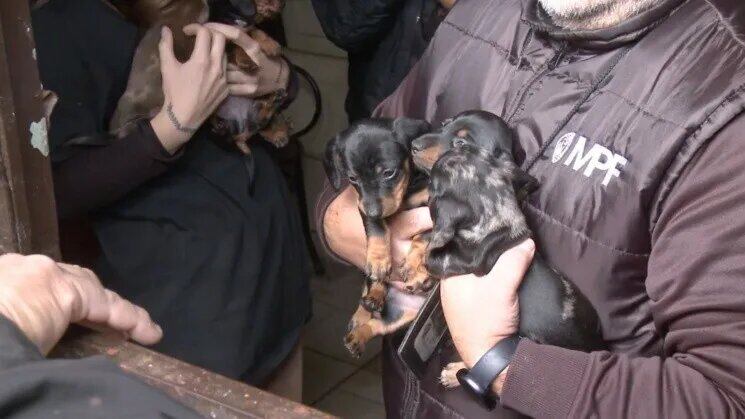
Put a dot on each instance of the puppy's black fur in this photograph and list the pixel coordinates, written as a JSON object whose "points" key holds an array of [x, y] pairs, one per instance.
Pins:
{"points": [[373, 155], [474, 202]]}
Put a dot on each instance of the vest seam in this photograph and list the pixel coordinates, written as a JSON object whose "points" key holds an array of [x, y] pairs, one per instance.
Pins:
{"points": [[663, 195], [582, 235], [643, 110], [512, 59]]}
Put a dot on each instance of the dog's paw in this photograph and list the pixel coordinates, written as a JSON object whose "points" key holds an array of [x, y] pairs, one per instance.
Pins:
{"points": [[448, 376], [354, 344], [378, 269], [373, 303], [414, 274]]}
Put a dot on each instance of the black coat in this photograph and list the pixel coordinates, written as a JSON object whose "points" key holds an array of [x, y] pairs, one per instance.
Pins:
{"points": [[213, 247], [384, 39]]}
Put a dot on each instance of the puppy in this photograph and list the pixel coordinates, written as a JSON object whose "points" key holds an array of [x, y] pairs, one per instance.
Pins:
{"points": [[475, 192], [238, 117], [373, 156]]}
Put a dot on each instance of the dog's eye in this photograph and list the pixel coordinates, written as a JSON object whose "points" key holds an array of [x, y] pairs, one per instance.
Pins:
{"points": [[353, 179], [389, 173], [459, 142]]}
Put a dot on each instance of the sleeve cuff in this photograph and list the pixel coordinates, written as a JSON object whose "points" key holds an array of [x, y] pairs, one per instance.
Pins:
{"points": [[152, 145], [543, 380], [324, 200], [15, 348]]}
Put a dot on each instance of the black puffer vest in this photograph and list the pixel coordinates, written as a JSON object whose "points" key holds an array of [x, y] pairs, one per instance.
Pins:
{"points": [[607, 121]]}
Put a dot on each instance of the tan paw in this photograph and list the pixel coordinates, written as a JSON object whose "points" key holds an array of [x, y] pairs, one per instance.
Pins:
{"points": [[448, 376]]}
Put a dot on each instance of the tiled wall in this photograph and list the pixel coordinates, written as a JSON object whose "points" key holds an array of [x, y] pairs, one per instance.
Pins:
{"points": [[309, 48]]}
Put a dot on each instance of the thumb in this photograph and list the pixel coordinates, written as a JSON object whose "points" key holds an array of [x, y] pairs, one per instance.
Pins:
{"points": [[168, 59], [408, 224], [513, 264]]}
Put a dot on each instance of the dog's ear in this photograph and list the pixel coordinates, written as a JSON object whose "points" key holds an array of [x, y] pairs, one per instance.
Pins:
{"points": [[333, 162], [408, 129], [523, 183]]}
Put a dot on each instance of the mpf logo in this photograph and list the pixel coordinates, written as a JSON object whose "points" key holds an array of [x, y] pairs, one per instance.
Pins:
{"points": [[598, 158]]}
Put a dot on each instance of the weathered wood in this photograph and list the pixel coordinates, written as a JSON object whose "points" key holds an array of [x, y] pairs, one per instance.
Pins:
{"points": [[28, 222], [208, 393]]}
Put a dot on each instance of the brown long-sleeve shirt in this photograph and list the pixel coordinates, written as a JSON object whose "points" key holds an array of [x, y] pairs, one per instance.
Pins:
{"points": [[656, 242]]}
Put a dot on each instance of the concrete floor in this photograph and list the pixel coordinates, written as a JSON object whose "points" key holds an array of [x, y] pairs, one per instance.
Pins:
{"points": [[334, 381]]}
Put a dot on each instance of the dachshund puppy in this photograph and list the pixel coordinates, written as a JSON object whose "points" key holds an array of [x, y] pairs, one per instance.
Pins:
{"points": [[373, 155], [475, 193], [238, 117]]}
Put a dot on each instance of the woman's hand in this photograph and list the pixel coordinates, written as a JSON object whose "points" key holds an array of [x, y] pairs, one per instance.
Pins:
{"points": [[272, 75], [192, 90], [43, 297], [481, 311]]}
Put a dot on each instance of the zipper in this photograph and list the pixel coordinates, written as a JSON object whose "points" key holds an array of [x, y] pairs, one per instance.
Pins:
{"points": [[550, 66]]}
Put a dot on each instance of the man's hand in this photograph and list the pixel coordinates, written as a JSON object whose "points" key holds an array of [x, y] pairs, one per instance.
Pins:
{"points": [[192, 90], [43, 297], [481, 311], [346, 237], [273, 73]]}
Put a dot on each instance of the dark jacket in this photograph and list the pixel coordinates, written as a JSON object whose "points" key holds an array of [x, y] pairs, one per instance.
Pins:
{"points": [[33, 387], [635, 133], [384, 39]]}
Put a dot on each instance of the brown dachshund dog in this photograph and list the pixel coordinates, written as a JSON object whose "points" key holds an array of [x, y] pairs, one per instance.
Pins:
{"points": [[238, 117]]}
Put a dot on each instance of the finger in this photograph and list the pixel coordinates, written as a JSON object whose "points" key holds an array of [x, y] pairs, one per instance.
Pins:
{"points": [[409, 223], [239, 77], [248, 90], [239, 37], [134, 321], [513, 264], [217, 52], [233, 33], [104, 308], [167, 56], [202, 43]]}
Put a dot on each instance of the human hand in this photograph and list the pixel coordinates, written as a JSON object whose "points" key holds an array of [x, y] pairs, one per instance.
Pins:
{"points": [[192, 90], [43, 297], [404, 226], [481, 311], [272, 75]]}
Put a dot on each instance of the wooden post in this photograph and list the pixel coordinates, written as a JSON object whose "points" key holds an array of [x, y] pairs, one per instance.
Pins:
{"points": [[28, 222]]}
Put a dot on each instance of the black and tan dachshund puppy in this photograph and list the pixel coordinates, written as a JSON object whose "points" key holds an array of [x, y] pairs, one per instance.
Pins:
{"points": [[373, 155], [475, 192]]}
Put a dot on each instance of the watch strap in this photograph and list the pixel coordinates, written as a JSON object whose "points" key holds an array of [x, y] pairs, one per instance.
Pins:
{"points": [[480, 378]]}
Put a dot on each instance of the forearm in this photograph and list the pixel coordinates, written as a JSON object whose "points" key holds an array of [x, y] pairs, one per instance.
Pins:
{"points": [[342, 228], [95, 176], [547, 381]]}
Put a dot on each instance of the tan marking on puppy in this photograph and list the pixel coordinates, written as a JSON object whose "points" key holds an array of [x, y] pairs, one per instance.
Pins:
{"points": [[277, 133], [462, 133], [374, 300], [426, 158], [414, 272], [392, 202], [448, 376], [378, 260]]}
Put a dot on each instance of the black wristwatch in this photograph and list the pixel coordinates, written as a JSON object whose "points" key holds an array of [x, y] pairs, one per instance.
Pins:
{"points": [[477, 382]]}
